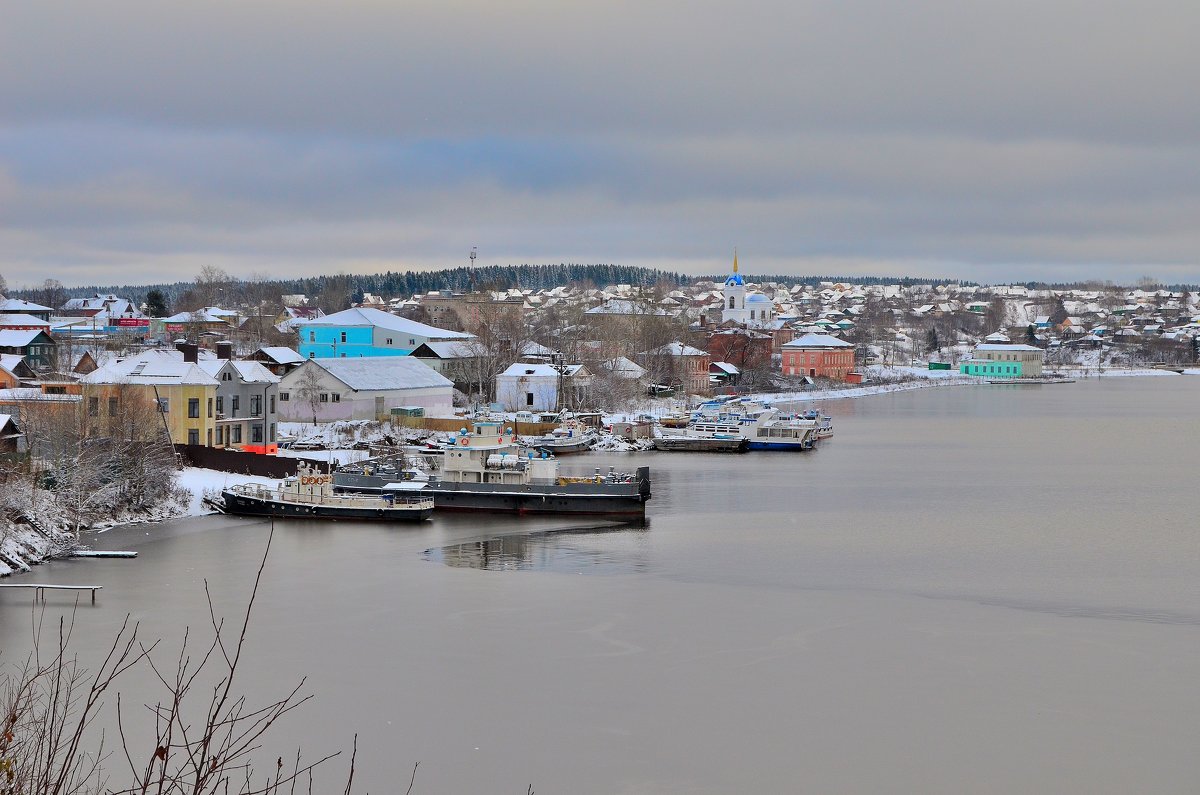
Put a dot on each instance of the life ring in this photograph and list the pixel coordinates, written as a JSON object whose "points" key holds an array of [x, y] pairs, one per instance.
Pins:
{"points": [[464, 441]]}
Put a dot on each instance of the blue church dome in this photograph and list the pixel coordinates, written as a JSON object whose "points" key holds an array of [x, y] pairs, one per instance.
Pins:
{"points": [[734, 279], [757, 298]]}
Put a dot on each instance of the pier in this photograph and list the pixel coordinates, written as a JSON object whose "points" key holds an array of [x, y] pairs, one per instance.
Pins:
{"points": [[41, 588]]}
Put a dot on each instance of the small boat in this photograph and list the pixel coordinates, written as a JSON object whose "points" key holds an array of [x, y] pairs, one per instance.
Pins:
{"points": [[761, 425], [310, 495], [564, 440], [683, 443]]}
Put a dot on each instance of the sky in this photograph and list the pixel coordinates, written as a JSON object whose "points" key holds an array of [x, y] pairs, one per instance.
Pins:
{"points": [[990, 141]]}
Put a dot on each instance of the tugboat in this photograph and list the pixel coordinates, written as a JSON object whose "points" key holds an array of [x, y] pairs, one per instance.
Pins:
{"points": [[310, 495], [486, 471]]}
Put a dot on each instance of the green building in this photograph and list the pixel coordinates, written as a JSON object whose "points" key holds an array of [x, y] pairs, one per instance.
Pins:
{"points": [[990, 368]]}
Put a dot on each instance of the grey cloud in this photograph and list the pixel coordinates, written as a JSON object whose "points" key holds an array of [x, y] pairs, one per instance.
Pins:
{"points": [[1002, 139]]}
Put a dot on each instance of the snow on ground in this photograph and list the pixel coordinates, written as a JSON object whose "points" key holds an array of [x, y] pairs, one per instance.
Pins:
{"points": [[197, 481]]}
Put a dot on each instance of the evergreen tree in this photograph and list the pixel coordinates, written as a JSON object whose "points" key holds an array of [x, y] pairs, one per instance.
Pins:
{"points": [[932, 343], [1031, 335], [156, 304]]}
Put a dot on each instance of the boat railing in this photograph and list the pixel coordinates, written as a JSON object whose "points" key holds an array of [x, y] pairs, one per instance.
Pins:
{"points": [[261, 492]]}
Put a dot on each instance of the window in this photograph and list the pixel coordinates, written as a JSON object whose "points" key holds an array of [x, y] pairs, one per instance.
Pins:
{"points": [[336, 397], [284, 397], [220, 404], [312, 354], [343, 336], [312, 337], [272, 433], [731, 302], [272, 404], [528, 398], [193, 436], [164, 405], [226, 377], [233, 404], [324, 397], [193, 408], [93, 407], [112, 406], [220, 435], [389, 341], [412, 342], [236, 434], [210, 408], [256, 405], [256, 434]]}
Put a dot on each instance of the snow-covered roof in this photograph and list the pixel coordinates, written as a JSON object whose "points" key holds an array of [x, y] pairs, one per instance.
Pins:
{"points": [[452, 349], [365, 316], [725, 367], [626, 368], [248, 372], [9, 305], [678, 349], [817, 341], [10, 362], [380, 373], [622, 306], [152, 369], [18, 319], [988, 346], [18, 338], [281, 354], [208, 314], [521, 370]]}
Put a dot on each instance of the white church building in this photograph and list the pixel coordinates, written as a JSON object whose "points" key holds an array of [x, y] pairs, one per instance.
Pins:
{"points": [[747, 309]]}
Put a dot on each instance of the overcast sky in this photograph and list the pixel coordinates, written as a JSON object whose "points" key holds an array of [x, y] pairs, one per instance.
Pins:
{"points": [[140, 140]]}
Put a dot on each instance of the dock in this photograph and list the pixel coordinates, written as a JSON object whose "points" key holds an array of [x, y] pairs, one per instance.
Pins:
{"points": [[102, 553], [41, 588]]}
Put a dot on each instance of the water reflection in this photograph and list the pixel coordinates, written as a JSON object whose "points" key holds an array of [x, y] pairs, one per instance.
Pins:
{"points": [[600, 549]]}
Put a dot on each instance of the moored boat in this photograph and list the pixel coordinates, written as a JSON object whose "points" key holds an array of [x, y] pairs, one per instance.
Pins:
{"points": [[683, 443], [310, 495], [486, 471]]}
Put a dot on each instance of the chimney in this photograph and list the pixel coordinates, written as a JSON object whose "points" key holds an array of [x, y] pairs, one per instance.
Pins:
{"points": [[191, 353], [225, 350]]}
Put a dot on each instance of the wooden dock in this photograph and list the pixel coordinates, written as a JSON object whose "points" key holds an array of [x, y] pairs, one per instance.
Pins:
{"points": [[41, 588]]}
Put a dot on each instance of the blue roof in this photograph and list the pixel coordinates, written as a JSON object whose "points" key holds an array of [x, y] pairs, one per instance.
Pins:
{"points": [[735, 278], [757, 298]]}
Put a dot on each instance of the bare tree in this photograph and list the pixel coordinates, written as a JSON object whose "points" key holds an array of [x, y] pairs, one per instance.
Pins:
{"points": [[204, 738], [309, 388]]}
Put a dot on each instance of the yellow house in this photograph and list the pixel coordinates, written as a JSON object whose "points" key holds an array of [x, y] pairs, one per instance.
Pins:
{"points": [[183, 394]]}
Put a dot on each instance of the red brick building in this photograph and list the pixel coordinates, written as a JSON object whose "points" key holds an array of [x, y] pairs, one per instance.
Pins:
{"points": [[743, 347], [818, 356]]}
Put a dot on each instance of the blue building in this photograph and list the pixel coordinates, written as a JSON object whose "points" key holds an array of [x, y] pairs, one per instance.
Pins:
{"points": [[361, 332]]}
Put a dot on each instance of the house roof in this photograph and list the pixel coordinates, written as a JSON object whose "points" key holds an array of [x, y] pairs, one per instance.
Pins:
{"points": [[281, 354], [380, 373], [678, 349], [817, 341], [208, 314], [987, 346], [248, 372], [725, 367], [521, 370], [147, 370], [19, 338], [365, 316], [448, 349], [19, 319], [21, 305]]}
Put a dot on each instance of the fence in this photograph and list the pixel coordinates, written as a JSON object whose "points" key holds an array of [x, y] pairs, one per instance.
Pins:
{"points": [[237, 462]]}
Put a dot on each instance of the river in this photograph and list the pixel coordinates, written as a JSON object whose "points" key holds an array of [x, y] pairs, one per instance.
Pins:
{"points": [[969, 589]]}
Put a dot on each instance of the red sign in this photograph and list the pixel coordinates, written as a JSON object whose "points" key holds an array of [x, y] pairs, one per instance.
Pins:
{"points": [[173, 328], [133, 322]]}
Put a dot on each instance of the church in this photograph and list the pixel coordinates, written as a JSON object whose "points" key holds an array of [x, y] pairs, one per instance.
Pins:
{"points": [[753, 309]]}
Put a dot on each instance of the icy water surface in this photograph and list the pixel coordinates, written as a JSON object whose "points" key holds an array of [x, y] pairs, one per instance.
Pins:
{"points": [[977, 589]]}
